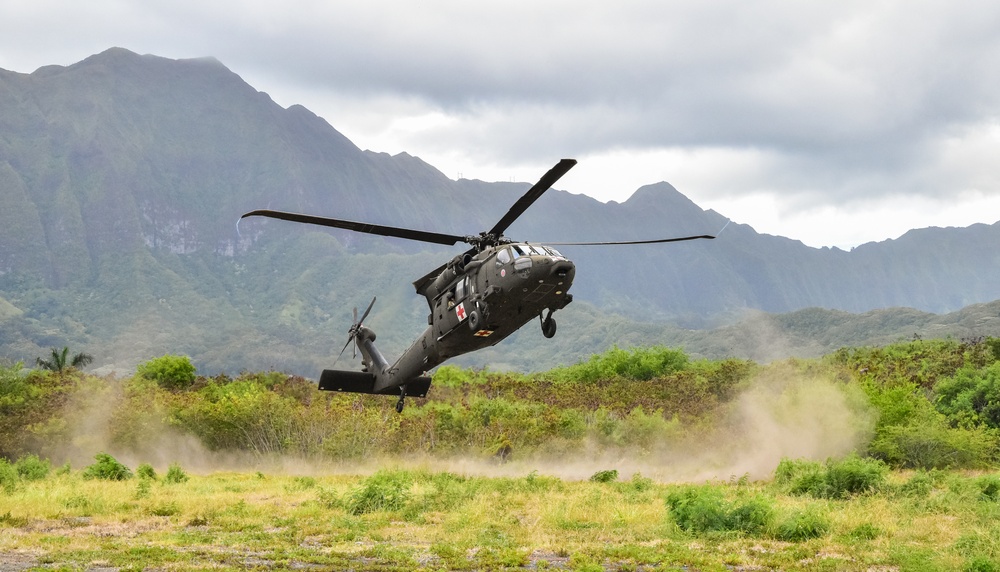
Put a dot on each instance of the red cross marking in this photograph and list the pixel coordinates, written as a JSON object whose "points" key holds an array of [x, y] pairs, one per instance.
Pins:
{"points": [[460, 311]]}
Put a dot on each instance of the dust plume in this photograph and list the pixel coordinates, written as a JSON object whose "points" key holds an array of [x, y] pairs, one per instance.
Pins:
{"points": [[783, 413]]}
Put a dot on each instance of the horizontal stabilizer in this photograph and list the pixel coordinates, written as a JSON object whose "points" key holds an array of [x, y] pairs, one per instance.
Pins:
{"points": [[361, 382]]}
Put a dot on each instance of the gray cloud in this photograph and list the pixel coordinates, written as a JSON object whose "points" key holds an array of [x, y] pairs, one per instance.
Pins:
{"points": [[844, 100]]}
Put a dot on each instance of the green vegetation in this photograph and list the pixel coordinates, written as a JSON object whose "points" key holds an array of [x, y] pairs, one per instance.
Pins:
{"points": [[60, 360], [914, 467], [921, 404], [169, 371], [415, 518], [175, 474], [107, 468], [836, 479]]}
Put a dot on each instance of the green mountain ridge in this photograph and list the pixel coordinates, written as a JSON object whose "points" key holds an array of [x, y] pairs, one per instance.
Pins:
{"points": [[122, 178]]}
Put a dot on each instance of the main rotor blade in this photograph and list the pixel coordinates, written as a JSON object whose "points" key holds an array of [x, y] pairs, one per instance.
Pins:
{"points": [[522, 204], [365, 315], [654, 241], [420, 235]]}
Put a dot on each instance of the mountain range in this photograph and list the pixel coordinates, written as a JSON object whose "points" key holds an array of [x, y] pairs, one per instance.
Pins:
{"points": [[122, 178]]}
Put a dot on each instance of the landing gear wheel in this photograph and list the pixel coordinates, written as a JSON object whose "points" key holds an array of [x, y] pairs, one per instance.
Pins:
{"points": [[474, 320], [402, 396], [548, 325]]}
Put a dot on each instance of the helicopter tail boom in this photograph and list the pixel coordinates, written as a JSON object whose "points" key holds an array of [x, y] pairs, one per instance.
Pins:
{"points": [[363, 382]]}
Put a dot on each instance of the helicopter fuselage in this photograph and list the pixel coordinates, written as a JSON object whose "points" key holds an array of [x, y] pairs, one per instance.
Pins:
{"points": [[475, 301]]}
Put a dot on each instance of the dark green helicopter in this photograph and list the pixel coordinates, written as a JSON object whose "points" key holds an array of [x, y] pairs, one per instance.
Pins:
{"points": [[476, 299]]}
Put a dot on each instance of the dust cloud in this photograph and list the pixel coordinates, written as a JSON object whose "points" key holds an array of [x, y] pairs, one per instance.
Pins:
{"points": [[783, 413]]}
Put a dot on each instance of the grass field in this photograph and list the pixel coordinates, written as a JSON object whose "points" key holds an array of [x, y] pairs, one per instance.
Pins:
{"points": [[416, 518]]}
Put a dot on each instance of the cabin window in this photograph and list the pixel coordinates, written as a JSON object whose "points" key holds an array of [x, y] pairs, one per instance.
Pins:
{"points": [[460, 289], [503, 257]]}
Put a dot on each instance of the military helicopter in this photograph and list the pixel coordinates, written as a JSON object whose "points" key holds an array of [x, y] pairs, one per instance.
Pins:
{"points": [[476, 299]]}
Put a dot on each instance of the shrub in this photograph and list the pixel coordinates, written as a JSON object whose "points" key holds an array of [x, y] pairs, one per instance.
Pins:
{"points": [[145, 471], [107, 468], [637, 364], [608, 476], [143, 489], [383, 491], [920, 484], [836, 479], [8, 475], [989, 487], [854, 475], [704, 509], [175, 474], [750, 516], [31, 468], [803, 525], [934, 445], [971, 397], [169, 371], [698, 509]]}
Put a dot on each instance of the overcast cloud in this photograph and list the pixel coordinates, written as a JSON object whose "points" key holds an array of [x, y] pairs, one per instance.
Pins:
{"points": [[834, 123]]}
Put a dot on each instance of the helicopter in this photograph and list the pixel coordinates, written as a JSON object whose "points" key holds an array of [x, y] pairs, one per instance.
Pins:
{"points": [[476, 299]]}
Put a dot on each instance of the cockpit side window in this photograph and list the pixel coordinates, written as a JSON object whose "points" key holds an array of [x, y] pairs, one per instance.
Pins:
{"points": [[503, 257], [519, 250]]}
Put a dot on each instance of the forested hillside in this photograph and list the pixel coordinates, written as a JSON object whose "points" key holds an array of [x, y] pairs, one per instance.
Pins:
{"points": [[122, 178]]}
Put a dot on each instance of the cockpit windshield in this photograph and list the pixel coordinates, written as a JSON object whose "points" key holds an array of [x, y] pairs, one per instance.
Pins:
{"points": [[533, 250]]}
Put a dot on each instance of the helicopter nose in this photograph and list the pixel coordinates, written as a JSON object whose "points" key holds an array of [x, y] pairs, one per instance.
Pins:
{"points": [[564, 269]]}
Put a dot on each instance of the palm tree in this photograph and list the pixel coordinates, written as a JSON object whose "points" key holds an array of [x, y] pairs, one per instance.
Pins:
{"points": [[58, 362]]}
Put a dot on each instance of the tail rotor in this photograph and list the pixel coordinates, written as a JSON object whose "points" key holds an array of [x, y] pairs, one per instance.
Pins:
{"points": [[352, 333]]}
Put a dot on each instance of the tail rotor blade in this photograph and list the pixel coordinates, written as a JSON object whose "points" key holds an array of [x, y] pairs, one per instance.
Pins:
{"points": [[365, 315], [341, 354]]}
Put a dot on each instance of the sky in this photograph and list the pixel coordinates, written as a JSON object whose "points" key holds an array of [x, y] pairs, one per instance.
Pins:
{"points": [[833, 123]]}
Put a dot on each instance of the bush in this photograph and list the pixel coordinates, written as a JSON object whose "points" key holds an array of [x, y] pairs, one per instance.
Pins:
{"points": [[169, 371], [107, 468], [854, 475], [609, 476], [637, 364], [836, 479], [803, 525], [31, 468], [920, 485], [971, 397], [175, 474], [145, 471], [989, 487], [383, 491], [704, 509], [934, 445], [8, 475]]}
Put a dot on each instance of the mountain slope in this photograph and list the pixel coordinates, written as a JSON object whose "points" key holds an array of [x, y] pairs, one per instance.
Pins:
{"points": [[122, 178]]}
